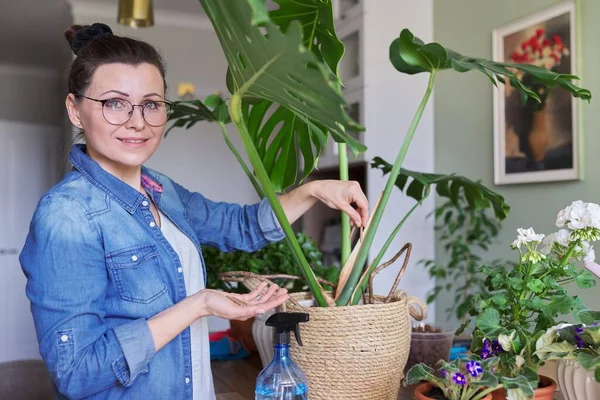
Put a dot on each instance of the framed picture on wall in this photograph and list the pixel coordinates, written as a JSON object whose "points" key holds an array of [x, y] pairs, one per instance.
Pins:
{"points": [[537, 142]]}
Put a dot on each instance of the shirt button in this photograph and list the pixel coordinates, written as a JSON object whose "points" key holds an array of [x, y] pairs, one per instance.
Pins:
{"points": [[152, 224], [145, 203], [134, 258], [187, 380], [180, 270], [64, 338]]}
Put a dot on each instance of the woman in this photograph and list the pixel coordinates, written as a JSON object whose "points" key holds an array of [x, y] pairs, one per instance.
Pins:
{"points": [[113, 262]]}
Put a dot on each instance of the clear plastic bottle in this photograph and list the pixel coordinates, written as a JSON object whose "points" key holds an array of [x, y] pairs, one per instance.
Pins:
{"points": [[282, 379]]}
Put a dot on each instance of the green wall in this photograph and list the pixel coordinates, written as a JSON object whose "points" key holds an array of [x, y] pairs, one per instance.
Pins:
{"points": [[464, 118]]}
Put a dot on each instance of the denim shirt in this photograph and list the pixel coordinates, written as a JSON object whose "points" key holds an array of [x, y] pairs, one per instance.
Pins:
{"points": [[98, 267]]}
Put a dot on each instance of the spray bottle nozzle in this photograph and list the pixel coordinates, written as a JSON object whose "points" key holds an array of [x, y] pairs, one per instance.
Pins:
{"points": [[284, 323]]}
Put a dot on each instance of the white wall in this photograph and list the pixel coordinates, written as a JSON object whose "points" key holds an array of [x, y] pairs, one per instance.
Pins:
{"points": [[391, 100], [28, 161], [31, 104]]}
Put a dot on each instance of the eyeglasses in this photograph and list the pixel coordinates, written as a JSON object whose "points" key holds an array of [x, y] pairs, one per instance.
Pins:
{"points": [[119, 111]]}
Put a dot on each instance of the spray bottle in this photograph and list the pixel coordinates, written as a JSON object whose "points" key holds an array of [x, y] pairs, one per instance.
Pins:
{"points": [[282, 379]]}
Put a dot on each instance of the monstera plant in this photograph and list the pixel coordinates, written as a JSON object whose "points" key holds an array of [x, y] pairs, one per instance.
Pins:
{"points": [[286, 95]]}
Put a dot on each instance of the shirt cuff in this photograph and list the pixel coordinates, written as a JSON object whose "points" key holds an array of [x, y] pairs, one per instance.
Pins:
{"points": [[268, 223], [137, 344]]}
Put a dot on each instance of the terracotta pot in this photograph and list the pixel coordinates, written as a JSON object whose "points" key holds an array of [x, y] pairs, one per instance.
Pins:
{"points": [[545, 393], [242, 331], [425, 387]]}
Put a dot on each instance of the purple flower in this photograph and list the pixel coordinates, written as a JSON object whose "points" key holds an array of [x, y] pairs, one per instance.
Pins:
{"points": [[579, 330], [496, 348], [459, 379], [580, 342], [486, 350], [443, 373], [595, 324], [474, 368]]}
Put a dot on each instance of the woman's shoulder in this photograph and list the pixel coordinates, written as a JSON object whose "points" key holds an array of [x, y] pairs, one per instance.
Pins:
{"points": [[73, 191]]}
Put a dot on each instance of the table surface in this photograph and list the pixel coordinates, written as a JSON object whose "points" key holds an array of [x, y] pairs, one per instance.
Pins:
{"points": [[235, 379]]}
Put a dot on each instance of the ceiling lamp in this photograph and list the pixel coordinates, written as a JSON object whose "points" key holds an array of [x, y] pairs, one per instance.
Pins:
{"points": [[136, 13]]}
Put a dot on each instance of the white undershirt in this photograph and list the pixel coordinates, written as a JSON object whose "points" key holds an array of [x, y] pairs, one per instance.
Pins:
{"points": [[194, 281]]}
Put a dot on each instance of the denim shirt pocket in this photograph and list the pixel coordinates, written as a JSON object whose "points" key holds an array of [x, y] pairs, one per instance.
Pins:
{"points": [[66, 350], [136, 273]]}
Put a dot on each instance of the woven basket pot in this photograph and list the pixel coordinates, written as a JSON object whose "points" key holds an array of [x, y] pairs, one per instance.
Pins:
{"points": [[349, 353], [355, 352]]}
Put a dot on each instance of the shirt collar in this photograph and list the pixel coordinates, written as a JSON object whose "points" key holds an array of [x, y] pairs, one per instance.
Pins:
{"points": [[122, 193]]}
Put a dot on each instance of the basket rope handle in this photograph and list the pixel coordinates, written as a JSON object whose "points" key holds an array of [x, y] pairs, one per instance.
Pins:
{"points": [[406, 248], [246, 277], [419, 313]]}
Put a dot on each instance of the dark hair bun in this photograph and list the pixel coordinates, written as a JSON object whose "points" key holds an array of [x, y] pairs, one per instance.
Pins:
{"points": [[78, 35]]}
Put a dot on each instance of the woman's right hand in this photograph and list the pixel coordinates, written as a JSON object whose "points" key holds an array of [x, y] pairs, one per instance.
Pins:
{"points": [[242, 306]]}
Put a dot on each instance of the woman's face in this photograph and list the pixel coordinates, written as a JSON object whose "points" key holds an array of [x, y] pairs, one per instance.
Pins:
{"points": [[126, 146]]}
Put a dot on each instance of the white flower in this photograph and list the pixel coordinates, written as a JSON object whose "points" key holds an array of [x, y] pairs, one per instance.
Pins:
{"points": [[594, 210], [519, 361], [506, 341], [547, 243], [579, 218], [589, 255], [579, 215], [547, 338], [562, 237], [526, 236], [561, 219]]}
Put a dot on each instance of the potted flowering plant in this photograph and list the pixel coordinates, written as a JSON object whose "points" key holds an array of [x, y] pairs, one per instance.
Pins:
{"points": [[577, 349], [523, 303], [462, 379]]}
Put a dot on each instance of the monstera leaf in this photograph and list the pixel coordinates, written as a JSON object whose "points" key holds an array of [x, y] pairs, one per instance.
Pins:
{"points": [[410, 55], [275, 140], [319, 36], [418, 185], [187, 113], [276, 67]]}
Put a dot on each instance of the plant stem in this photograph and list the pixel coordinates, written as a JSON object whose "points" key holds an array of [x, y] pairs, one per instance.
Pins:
{"points": [[567, 256], [242, 163], [363, 254], [235, 110], [381, 253], [344, 176], [484, 393]]}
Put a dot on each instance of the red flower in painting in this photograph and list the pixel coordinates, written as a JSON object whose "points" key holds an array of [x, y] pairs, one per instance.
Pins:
{"points": [[541, 51]]}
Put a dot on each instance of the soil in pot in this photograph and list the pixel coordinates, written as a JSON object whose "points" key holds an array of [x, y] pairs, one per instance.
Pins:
{"points": [[436, 394]]}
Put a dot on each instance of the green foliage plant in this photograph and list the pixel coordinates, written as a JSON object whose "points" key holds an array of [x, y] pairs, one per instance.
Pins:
{"points": [[465, 234], [272, 259]]}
